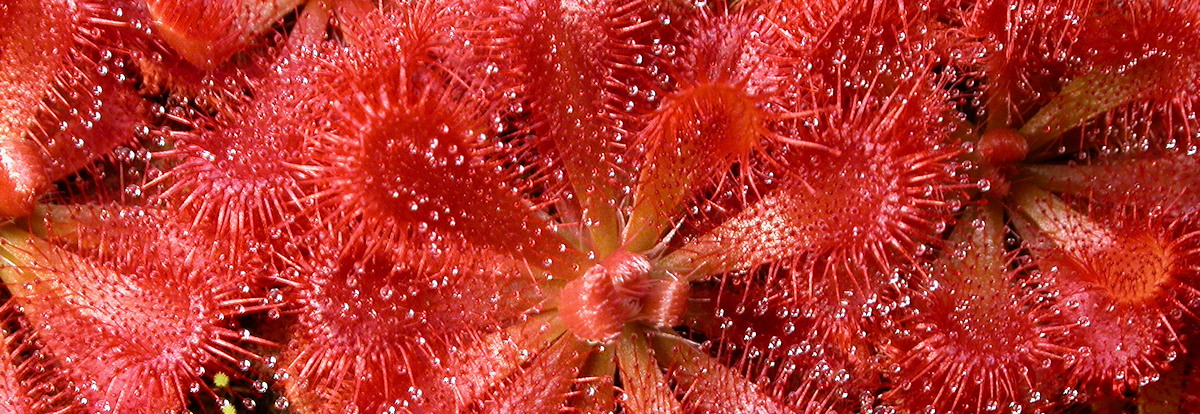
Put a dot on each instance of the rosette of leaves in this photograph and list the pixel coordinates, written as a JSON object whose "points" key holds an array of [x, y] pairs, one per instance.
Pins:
{"points": [[648, 206]]}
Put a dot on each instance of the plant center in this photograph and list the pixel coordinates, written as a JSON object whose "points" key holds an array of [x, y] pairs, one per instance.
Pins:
{"points": [[622, 288]]}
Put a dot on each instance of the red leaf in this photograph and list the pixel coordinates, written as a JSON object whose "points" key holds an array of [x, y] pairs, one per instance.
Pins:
{"points": [[206, 36], [1126, 277], [646, 389], [160, 314]]}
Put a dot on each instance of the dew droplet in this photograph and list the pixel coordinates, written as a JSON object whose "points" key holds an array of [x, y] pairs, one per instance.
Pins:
{"points": [[133, 191]]}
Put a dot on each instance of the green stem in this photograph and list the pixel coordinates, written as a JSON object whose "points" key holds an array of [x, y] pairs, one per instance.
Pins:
{"points": [[1090, 95]]}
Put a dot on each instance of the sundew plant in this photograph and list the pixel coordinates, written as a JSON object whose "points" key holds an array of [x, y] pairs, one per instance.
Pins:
{"points": [[598, 206]]}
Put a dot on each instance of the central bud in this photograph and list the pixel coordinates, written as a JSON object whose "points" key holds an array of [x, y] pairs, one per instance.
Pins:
{"points": [[619, 290]]}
